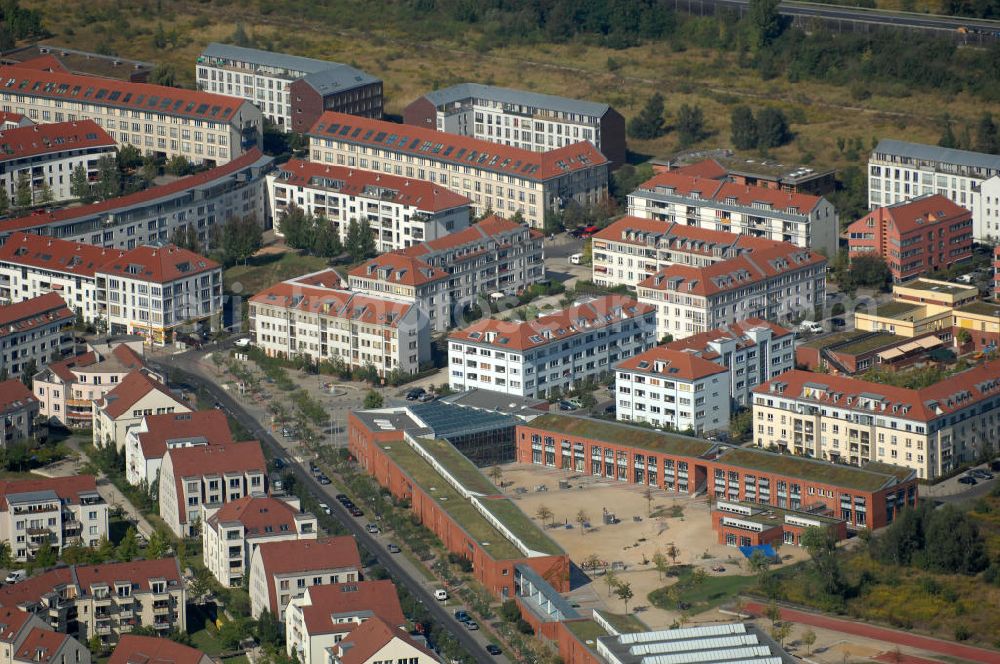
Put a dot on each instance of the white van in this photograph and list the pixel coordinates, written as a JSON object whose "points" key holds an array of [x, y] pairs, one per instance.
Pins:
{"points": [[440, 594], [16, 575], [576, 259], [810, 326]]}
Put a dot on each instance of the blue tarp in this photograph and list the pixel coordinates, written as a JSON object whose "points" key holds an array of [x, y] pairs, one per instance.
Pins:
{"points": [[766, 549]]}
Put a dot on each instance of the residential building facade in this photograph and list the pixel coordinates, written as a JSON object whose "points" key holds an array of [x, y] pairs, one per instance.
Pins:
{"points": [[46, 156], [33, 333], [194, 480], [291, 91], [446, 276], [139, 394], [58, 511], [158, 120], [552, 353], [521, 119], [930, 431], [915, 236], [497, 178], [27, 638], [400, 211], [981, 322], [283, 571], [800, 219], [374, 641], [18, 411], [147, 441], [673, 389], [232, 532], [932, 291]]}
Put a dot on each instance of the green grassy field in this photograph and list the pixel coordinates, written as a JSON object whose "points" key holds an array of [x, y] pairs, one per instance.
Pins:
{"points": [[268, 269], [711, 592]]}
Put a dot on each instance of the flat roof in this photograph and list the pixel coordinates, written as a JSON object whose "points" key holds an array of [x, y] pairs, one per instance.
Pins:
{"points": [[624, 434], [259, 56], [521, 526], [896, 309], [980, 308], [924, 152], [463, 91], [937, 286], [772, 516], [495, 402], [586, 630], [869, 478], [447, 419], [458, 466], [866, 344]]}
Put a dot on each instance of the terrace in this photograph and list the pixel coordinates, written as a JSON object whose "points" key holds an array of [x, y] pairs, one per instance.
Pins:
{"points": [[623, 434], [813, 470]]}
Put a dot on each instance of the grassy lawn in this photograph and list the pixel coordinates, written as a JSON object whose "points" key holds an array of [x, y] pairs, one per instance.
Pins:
{"points": [[710, 593], [263, 271], [201, 627]]}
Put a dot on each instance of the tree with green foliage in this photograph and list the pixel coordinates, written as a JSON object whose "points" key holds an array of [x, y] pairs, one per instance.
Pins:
{"points": [[268, 631], [239, 36], [660, 563], [296, 227], [741, 425], [952, 543], [649, 123], [129, 157], [821, 543], [373, 399], [582, 519], [765, 21], [624, 592], [4, 203], [242, 237], [326, 238], [28, 375], [160, 36], [109, 183], [79, 184], [869, 271], [772, 128], [948, 138], [5, 558], [178, 165], [157, 547], [743, 128], [46, 556], [986, 140], [368, 247], [690, 125], [128, 548], [45, 195], [150, 168], [543, 514], [510, 611], [22, 192], [96, 646]]}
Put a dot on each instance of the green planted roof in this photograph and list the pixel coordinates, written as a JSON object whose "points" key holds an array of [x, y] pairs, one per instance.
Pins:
{"points": [[511, 516], [897, 309], [871, 478], [458, 466], [981, 308], [624, 434]]}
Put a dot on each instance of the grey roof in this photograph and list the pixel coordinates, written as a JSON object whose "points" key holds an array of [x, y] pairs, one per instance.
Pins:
{"points": [[268, 58], [464, 91], [733, 643], [523, 407], [32, 496], [447, 419], [338, 77], [935, 153]]}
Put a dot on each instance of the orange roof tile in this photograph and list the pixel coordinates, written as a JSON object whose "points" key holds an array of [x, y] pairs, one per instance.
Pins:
{"points": [[12, 620], [452, 148], [158, 264], [139, 572], [487, 229], [23, 142], [399, 269], [64, 368], [27, 314], [132, 649], [75, 258], [67, 488], [683, 184], [212, 426], [259, 516], [423, 195], [14, 396], [691, 239], [915, 214], [43, 63], [360, 598], [15, 118], [134, 386], [336, 303], [291, 556], [698, 343], [328, 278], [673, 364], [211, 460], [706, 168], [367, 639], [40, 645], [577, 319]]}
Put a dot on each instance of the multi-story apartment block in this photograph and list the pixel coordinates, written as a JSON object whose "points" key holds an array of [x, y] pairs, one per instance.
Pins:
{"points": [[106, 600], [47, 155], [932, 430], [155, 291], [754, 350], [139, 394], [986, 210], [325, 324], [18, 412], [774, 284], [801, 219], [281, 572], [66, 390], [443, 277], [915, 236], [133, 649], [33, 333], [401, 212], [291, 91], [231, 533], [149, 440], [58, 511], [325, 614], [375, 641], [86, 63], [722, 164], [26, 638], [494, 177], [673, 389], [552, 353], [198, 202], [196, 479], [172, 122], [521, 119], [632, 249]]}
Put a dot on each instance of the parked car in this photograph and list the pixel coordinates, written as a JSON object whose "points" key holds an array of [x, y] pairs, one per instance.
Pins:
{"points": [[968, 479], [472, 625], [325, 508], [811, 327], [493, 649], [427, 396], [278, 463], [393, 548], [341, 497], [373, 529], [575, 259], [837, 321], [981, 474], [566, 405], [242, 342], [324, 480], [415, 393], [462, 616], [355, 511], [16, 575], [440, 594], [609, 410], [313, 468]]}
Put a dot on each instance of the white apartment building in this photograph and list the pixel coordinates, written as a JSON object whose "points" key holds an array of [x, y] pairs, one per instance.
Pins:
{"points": [[444, 277], [232, 532], [899, 171], [59, 511], [277, 82], [494, 177], [400, 211], [782, 283], [282, 571], [139, 394], [33, 333], [147, 441], [202, 127], [541, 357], [47, 155], [198, 478], [632, 249], [296, 318], [672, 389], [800, 219], [522, 119], [754, 351]]}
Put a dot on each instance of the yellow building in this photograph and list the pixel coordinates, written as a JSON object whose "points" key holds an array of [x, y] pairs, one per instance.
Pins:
{"points": [[982, 321], [932, 291], [907, 319]]}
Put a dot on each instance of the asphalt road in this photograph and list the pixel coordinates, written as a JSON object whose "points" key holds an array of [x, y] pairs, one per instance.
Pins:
{"points": [[396, 571]]}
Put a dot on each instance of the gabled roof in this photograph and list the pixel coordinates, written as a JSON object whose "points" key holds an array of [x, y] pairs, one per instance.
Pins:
{"points": [[37, 311], [12, 620], [23, 142], [671, 364], [325, 278], [68, 489], [139, 572], [306, 555], [15, 396], [507, 96], [260, 516], [706, 168], [73, 258], [699, 343], [680, 183], [490, 229], [334, 303], [122, 360], [136, 385], [367, 639], [132, 649], [361, 599], [420, 194], [914, 214], [40, 646], [210, 426], [689, 239], [460, 150], [32, 589], [210, 461], [158, 264], [577, 319], [399, 269]]}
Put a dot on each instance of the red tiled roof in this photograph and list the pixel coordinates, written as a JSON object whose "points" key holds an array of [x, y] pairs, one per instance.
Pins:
{"points": [[33, 588], [11, 622], [451, 148], [132, 649], [423, 195], [399, 269], [63, 368], [133, 387], [259, 515], [691, 239], [577, 319], [719, 191], [40, 310], [684, 184], [698, 343], [209, 460], [127, 356], [14, 395], [367, 639], [914, 214], [139, 572], [67, 488], [376, 597], [22, 142], [673, 364], [61, 85], [158, 264], [178, 186], [76, 258], [43, 63], [7, 116], [41, 645], [487, 229], [336, 303], [291, 556], [122, 355], [706, 168], [328, 278], [210, 425], [951, 394]]}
